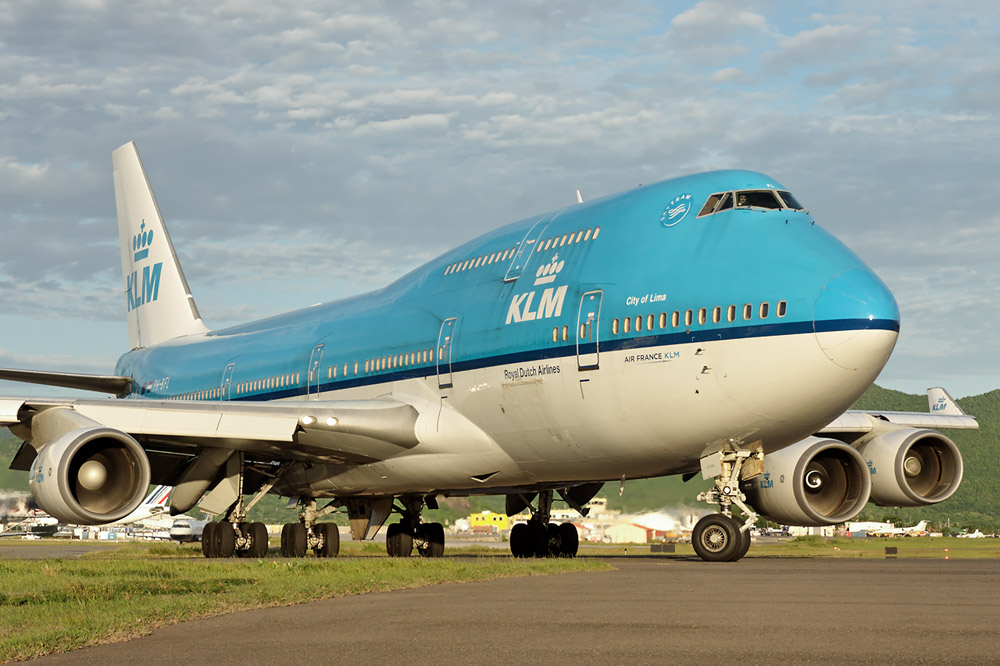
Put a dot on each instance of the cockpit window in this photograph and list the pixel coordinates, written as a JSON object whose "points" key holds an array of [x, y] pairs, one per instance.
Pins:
{"points": [[710, 205], [757, 199], [790, 201], [767, 199]]}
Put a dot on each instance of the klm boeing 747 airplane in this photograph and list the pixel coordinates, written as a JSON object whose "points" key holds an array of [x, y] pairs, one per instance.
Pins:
{"points": [[704, 324]]}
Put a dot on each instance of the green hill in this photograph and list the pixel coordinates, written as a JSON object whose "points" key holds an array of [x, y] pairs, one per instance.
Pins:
{"points": [[970, 507]]}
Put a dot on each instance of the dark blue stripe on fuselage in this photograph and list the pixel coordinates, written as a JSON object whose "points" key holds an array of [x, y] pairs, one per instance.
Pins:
{"points": [[569, 350]]}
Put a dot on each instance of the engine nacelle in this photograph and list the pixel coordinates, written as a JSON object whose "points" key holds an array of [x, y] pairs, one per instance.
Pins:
{"points": [[811, 483], [912, 467], [85, 473]]}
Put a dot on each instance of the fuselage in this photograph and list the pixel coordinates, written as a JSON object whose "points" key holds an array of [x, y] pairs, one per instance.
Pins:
{"points": [[626, 336]]}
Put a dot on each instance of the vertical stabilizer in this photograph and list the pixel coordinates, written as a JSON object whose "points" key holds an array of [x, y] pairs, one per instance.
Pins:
{"points": [[158, 300], [940, 402]]}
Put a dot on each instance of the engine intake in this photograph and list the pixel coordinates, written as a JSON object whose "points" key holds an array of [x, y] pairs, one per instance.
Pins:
{"points": [[811, 483], [912, 467], [85, 472]]}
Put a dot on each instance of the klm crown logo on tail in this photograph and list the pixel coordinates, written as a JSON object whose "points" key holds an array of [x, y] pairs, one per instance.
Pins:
{"points": [[148, 289]]}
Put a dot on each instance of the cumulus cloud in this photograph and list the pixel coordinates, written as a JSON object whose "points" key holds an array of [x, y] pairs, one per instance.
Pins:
{"points": [[277, 132]]}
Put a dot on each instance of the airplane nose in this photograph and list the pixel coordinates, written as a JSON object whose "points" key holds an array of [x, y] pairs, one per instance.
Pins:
{"points": [[856, 320]]}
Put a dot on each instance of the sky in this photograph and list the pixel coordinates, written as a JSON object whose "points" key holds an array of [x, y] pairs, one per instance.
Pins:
{"points": [[305, 151]]}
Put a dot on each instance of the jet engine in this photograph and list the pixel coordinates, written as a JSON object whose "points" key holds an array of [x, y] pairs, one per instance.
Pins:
{"points": [[811, 483], [85, 472], [912, 467]]}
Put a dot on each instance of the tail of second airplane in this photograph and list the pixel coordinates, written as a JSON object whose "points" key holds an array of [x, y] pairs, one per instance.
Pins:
{"points": [[159, 304]]}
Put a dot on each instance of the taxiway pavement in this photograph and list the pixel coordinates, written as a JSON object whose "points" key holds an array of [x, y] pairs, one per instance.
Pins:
{"points": [[648, 610]]}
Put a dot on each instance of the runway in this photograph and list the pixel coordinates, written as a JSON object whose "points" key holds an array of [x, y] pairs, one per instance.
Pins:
{"points": [[648, 610]]}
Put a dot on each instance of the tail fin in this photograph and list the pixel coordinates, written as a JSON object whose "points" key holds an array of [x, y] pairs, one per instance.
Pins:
{"points": [[940, 402], [159, 301]]}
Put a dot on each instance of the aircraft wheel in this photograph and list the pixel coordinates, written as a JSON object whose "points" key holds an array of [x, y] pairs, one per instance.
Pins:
{"points": [[538, 538], [293, 540], [520, 540], [715, 538], [258, 540], [208, 540], [555, 540], [433, 537], [743, 542], [225, 539], [392, 540], [331, 540], [569, 540]]}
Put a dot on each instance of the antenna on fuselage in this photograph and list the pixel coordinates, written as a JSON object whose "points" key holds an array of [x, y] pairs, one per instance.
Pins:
{"points": [[579, 199]]}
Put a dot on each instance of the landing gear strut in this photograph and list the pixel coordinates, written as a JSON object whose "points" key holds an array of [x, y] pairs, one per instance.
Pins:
{"points": [[401, 537], [540, 538], [721, 537]]}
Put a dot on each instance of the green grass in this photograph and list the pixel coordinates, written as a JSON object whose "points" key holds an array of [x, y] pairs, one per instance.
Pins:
{"points": [[58, 605]]}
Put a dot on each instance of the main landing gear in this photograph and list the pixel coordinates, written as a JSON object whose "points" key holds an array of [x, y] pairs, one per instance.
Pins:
{"points": [[721, 537], [540, 538], [309, 534], [402, 537]]}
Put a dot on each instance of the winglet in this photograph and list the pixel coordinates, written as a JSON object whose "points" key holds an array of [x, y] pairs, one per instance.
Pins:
{"points": [[159, 304], [940, 402]]}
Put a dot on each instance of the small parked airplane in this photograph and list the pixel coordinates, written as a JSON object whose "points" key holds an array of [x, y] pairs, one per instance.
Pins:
{"points": [[700, 324]]}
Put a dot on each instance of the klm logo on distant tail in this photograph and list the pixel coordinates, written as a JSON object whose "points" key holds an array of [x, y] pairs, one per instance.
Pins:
{"points": [[942, 404], [551, 302], [147, 289]]}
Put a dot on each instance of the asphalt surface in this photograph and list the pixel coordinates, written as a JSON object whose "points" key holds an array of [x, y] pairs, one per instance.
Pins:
{"points": [[649, 610]]}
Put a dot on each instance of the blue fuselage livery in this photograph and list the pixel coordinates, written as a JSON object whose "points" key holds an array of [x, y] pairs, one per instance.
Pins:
{"points": [[518, 296], [704, 323]]}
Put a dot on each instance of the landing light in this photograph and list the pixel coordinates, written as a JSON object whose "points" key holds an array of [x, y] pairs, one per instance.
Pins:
{"points": [[332, 421], [307, 420]]}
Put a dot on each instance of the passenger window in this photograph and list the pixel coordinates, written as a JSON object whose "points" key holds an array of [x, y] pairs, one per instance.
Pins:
{"points": [[586, 235], [649, 323], [555, 334], [702, 315], [596, 231], [628, 324], [716, 314], [583, 331], [675, 319], [747, 311], [663, 320], [731, 313], [782, 308], [688, 317], [367, 365], [638, 323], [763, 310], [562, 241], [565, 333], [614, 326], [579, 236], [355, 367]]}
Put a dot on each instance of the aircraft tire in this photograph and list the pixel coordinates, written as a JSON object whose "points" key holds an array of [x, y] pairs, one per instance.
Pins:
{"points": [[743, 544], [569, 540], [433, 537], [404, 541], [284, 540], [225, 539], [208, 540], [392, 540], [555, 540], [520, 540], [258, 540], [715, 538], [538, 539], [331, 540]]}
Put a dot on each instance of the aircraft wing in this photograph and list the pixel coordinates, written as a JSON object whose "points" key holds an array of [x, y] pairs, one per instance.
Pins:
{"points": [[359, 432], [944, 414]]}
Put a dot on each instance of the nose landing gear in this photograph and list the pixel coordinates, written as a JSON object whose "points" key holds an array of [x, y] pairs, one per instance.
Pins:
{"points": [[721, 537]]}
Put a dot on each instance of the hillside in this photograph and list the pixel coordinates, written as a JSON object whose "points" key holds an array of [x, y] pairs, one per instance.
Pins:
{"points": [[972, 506]]}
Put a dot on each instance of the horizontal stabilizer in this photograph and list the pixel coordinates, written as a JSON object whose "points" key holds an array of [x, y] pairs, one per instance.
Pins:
{"points": [[113, 384]]}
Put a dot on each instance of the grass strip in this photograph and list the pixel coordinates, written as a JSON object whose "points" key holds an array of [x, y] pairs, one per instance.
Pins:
{"points": [[58, 605]]}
